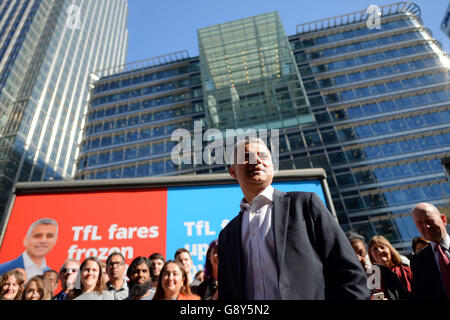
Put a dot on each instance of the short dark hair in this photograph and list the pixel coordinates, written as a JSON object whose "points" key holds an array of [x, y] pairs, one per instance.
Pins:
{"points": [[115, 253], [417, 240], [355, 237], [180, 251], [208, 266], [55, 272], [157, 255], [138, 261]]}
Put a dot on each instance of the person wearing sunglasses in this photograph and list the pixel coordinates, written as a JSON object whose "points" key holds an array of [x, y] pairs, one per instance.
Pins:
{"points": [[67, 275]]}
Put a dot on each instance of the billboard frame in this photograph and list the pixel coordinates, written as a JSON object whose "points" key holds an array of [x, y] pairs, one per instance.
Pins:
{"points": [[22, 188]]}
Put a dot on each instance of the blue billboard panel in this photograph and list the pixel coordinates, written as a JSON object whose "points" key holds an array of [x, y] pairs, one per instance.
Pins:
{"points": [[196, 215]]}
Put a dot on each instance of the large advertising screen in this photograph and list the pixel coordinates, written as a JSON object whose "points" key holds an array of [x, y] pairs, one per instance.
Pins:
{"points": [[136, 222]]}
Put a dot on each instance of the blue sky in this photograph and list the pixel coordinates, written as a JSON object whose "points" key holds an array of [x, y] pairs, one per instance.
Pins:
{"points": [[159, 27]]}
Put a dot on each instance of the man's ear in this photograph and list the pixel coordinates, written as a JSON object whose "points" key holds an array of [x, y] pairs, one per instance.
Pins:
{"points": [[232, 172], [444, 219]]}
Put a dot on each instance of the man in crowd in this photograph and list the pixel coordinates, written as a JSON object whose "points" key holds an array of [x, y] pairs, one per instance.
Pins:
{"points": [[158, 262], [184, 256], [39, 241], [115, 267], [431, 266], [68, 276], [53, 277], [140, 274], [283, 245]]}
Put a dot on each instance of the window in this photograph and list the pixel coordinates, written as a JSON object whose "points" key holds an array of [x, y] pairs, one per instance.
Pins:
{"points": [[415, 122], [119, 138], [337, 157], [363, 131], [353, 204], [373, 201], [345, 180], [145, 134], [117, 155], [143, 170], [329, 137], [380, 128], [157, 167], [363, 177], [144, 151], [129, 172], [409, 146], [370, 109], [373, 152], [103, 158], [397, 125], [115, 173], [390, 149], [354, 112], [132, 136]]}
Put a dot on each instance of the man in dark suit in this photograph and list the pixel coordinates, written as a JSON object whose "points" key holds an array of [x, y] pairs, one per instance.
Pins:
{"points": [[429, 273], [283, 245]]}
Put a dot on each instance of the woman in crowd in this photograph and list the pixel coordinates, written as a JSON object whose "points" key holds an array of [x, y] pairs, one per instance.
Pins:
{"points": [[37, 288], [91, 282], [207, 290], [383, 253], [173, 283], [11, 285], [388, 283]]}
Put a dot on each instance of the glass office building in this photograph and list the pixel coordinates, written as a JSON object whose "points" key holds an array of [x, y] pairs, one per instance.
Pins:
{"points": [[371, 108], [48, 48]]}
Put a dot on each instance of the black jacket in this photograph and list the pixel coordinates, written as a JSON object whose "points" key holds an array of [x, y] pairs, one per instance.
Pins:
{"points": [[426, 281], [315, 261]]}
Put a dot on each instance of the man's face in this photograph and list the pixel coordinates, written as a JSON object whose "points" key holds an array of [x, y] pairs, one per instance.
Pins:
{"points": [[430, 223], [256, 170], [158, 263], [186, 260], [361, 253], [141, 274], [41, 240], [69, 274], [116, 267], [52, 278]]}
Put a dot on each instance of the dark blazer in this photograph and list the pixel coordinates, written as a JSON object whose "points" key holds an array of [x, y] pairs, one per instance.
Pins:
{"points": [[315, 261], [426, 282]]}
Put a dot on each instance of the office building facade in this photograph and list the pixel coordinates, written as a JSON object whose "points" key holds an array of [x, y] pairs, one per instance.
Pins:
{"points": [[48, 49], [370, 105]]}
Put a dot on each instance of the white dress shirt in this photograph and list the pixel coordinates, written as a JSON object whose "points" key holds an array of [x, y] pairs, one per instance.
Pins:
{"points": [[445, 244], [32, 269], [259, 247]]}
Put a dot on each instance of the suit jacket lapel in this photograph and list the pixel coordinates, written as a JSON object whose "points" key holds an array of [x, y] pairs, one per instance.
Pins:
{"points": [[432, 266], [280, 217], [238, 259]]}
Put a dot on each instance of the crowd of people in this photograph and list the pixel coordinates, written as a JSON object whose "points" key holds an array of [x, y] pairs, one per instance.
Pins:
{"points": [[151, 278], [280, 246], [154, 278]]}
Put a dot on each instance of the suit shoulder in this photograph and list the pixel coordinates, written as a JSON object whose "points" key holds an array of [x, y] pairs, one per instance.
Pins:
{"points": [[12, 264], [234, 223]]}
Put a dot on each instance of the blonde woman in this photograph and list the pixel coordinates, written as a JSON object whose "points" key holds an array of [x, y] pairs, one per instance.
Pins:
{"points": [[173, 283], [37, 288], [383, 253]]}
